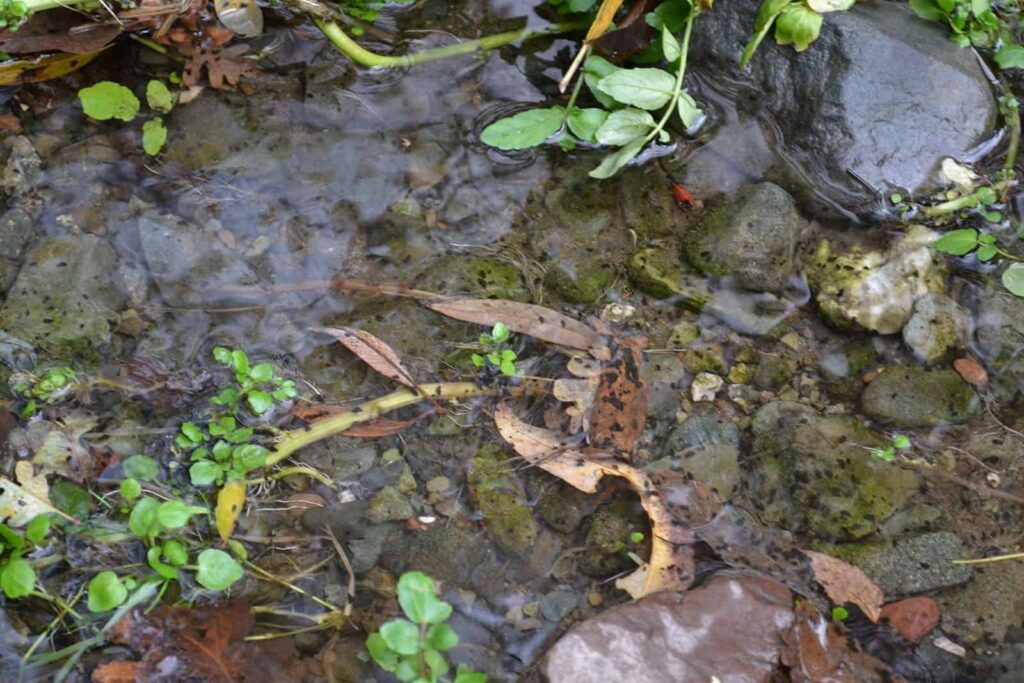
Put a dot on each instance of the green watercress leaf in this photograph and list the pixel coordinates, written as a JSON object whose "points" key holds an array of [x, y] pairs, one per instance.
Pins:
{"points": [[222, 355], [928, 10], [901, 441], [141, 467], [958, 242], [1010, 56], [624, 127], [108, 100], [616, 160], [175, 552], [17, 578], [986, 253], [192, 432], [669, 45], [465, 675], [594, 69], [435, 662], [442, 637], [262, 372], [644, 88], [204, 473], [689, 113], [154, 135], [797, 25], [164, 570], [174, 514], [381, 653], [158, 97], [142, 518], [1013, 279], [584, 123], [401, 636], [418, 599], [130, 489], [106, 591], [217, 569], [259, 401], [523, 130], [37, 529]]}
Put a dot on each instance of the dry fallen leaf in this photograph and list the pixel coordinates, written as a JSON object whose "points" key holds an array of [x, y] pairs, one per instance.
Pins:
{"points": [[372, 351], [375, 429], [20, 502], [58, 31], [227, 65], [530, 319], [230, 501], [845, 583], [619, 415]]}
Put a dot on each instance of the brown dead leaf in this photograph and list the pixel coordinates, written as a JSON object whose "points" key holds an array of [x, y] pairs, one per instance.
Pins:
{"points": [[619, 414], [630, 36], [671, 505], [58, 31], [530, 319], [816, 652], [203, 642], [372, 351], [845, 583], [223, 65], [116, 672], [9, 123]]}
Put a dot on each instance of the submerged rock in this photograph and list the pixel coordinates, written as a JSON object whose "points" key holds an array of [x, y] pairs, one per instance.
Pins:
{"points": [[502, 502], [916, 565], [871, 288], [938, 326], [750, 236], [917, 397], [23, 169], [862, 98], [815, 474], [728, 629], [64, 297]]}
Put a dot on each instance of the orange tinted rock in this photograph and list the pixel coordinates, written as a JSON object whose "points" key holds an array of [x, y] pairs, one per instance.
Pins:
{"points": [[971, 371], [913, 617]]}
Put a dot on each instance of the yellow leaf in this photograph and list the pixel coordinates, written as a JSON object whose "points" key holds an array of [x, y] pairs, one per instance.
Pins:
{"points": [[230, 501], [605, 15], [39, 68]]}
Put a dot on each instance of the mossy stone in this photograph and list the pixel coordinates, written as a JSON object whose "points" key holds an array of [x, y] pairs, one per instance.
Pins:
{"points": [[918, 397], [481, 277], [653, 271], [390, 505], [501, 500], [603, 552]]}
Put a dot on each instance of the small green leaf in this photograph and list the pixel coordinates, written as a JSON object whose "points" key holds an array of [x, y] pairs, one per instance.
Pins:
{"points": [[130, 489], [192, 432], [141, 467], [108, 100], [222, 355], [1010, 56], [106, 591], [624, 127], [689, 113], [217, 569], [840, 614], [993, 216], [896, 198], [669, 45], [164, 570], [523, 130], [644, 88], [636, 537], [17, 578], [259, 401], [1013, 279], [37, 529], [594, 69], [70, 498], [240, 361], [204, 473], [262, 372], [616, 160], [435, 662], [173, 514], [401, 636], [478, 360], [986, 195], [928, 10], [986, 238], [175, 552], [986, 253], [143, 516], [508, 368], [901, 441], [240, 435], [154, 135], [797, 25], [500, 333], [158, 97], [250, 457], [466, 675], [958, 242], [418, 598], [381, 654], [584, 123], [442, 637]]}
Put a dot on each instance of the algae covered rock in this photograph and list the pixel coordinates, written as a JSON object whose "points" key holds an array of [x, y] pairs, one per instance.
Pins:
{"points": [[875, 289], [814, 474], [501, 500], [604, 549], [482, 277], [937, 326], [64, 297], [919, 397], [656, 273], [750, 236]]}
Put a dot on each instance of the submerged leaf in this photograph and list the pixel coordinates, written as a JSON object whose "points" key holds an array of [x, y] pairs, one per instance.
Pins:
{"points": [[108, 100], [845, 583], [372, 351], [523, 130], [244, 17], [230, 501]]}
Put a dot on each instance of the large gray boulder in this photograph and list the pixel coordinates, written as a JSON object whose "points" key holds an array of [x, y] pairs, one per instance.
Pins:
{"points": [[881, 93]]}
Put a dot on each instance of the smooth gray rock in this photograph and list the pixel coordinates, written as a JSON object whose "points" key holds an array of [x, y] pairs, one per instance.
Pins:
{"points": [[918, 564], [937, 326], [881, 93], [64, 296], [750, 236]]}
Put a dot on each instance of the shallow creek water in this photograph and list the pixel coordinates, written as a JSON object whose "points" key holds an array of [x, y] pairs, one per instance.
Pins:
{"points": [[326, 171]]}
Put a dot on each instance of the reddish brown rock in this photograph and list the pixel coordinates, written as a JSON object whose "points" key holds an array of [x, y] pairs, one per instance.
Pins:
{"points": [[913, 617]]}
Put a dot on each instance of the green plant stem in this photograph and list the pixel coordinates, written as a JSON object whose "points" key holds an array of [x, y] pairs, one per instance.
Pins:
{"points": [[678, 88], [297, 439], [297, 469], [1013, 121], [572, 98], [364, 57], [291, 586], [968, 201]]}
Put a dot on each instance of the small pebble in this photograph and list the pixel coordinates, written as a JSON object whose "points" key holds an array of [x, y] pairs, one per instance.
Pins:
{"points": [[705, 386], [971, 371]]}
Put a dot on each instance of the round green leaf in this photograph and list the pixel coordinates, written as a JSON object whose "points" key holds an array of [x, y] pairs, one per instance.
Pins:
{"points": [[523, 130], [436, 662], [143, 516], [158, 97], [141, 467], [262, 372], [192, 432], [217, 569], [37, 529], [584, 122], [401, 636], [625, 127], [173, 514], [175, 553], [958, 242], [379, 651], [418, 598], [17, 578], [108, 100], [70, 498], [259, 401], [1013, 279], [164, 570], [106, 591], [986, 253], [204, 472], [250, 457], [222, 355], [442, 637], [130, 489], [797, 25], [1010, 56]]}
